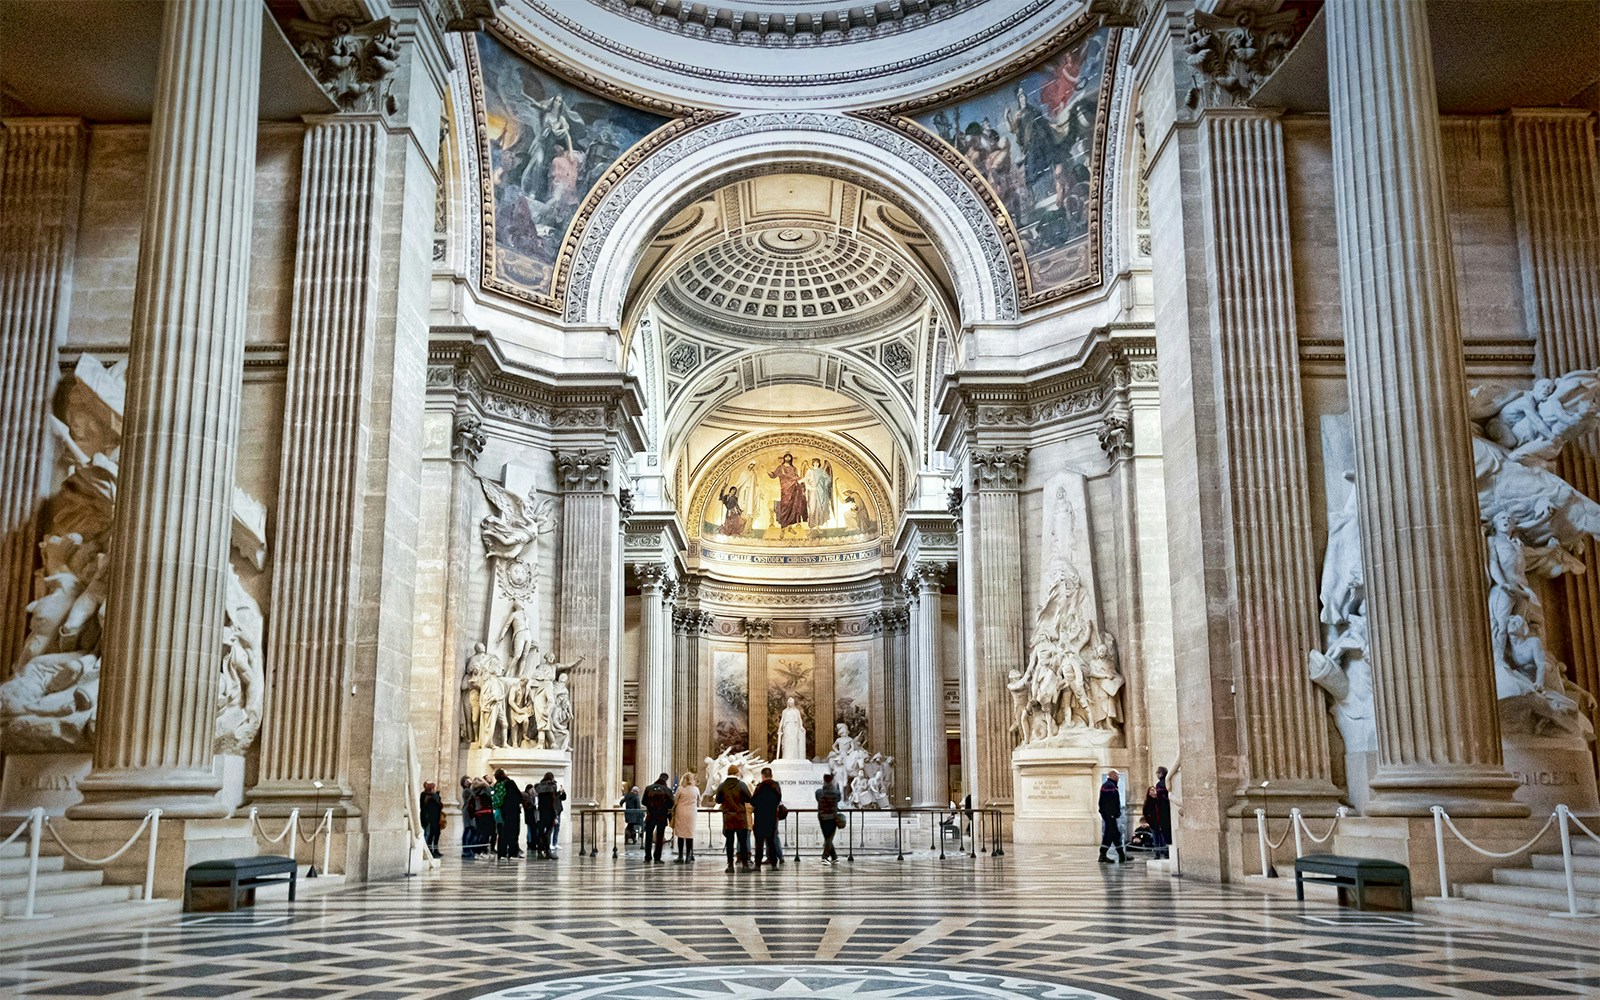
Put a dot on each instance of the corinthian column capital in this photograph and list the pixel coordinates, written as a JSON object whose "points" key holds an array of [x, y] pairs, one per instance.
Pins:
{"points": [[584, 470], [999, 468]]}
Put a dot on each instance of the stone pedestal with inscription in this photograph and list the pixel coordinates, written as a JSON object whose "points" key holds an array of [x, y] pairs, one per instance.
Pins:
{"points": [[1552, 771], [49, 780], [1057, 793]]}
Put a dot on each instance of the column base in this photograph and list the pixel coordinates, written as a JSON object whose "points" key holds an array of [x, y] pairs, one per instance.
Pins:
{"points": [[1312, 798], [1463, 791], [130, 793], [281, 798]]}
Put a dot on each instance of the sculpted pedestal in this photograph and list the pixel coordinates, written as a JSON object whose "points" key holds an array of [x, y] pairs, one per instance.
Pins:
{"points": [[1552, 770], [48, 780], [1057, 793], [527, 766]]}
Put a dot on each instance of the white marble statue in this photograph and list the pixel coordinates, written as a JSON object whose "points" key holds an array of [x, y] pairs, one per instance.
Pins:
{"points": [[47, 704], [1340, 668], [511, 531], [520, 629], [791, 734], [480, 664], [1539, 528], [241, 690], [519, 712], [542, 696], [717, 768], [561, 716], [494, 721]]}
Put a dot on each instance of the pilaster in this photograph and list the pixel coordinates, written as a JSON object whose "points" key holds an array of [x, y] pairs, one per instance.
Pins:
{"points": [[758, 639], [654, 736], [1427, 610], [41, 188], [929, 767], [168, 563], [824, 647]]}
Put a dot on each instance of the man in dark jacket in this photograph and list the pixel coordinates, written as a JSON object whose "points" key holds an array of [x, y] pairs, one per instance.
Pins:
{"points": [[507, 801], [657, 804], [765, 802], [550, 798], [431, 810], [1163, 824], [1110, 812], [733, 796]]}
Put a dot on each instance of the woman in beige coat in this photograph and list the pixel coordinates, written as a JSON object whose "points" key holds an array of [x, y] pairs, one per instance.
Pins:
{"points": [[684, 806]]}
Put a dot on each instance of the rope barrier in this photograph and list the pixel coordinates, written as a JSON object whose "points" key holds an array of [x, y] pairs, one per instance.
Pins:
{"points": [[19, 831], [1494, 854], [1340, 814], [1579, 824], [293, 821], [110, 857]]}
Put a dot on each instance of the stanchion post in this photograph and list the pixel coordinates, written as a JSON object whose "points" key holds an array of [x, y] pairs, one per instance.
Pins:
{"points": [[1438, 846], [327, 839], [35, 833], [150, 862], [1261, 839], [1294, 823]]}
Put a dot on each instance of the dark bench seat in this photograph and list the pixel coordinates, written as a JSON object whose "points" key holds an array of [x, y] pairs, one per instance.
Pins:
{"points": [[239, 875], [1352, 873]]}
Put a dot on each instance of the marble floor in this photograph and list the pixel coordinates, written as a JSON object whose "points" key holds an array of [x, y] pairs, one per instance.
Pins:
{"points": [[1033, 924]]}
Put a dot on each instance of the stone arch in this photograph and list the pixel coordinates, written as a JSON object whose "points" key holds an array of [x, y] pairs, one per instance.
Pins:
{"points": [[866, 153]]}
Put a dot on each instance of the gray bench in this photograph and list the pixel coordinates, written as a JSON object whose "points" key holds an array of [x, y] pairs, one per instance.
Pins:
{"points": [[1352, 873], [238, 876]]}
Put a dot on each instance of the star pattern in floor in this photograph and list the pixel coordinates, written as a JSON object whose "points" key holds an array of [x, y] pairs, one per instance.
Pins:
{"points": [[1034, 923]]}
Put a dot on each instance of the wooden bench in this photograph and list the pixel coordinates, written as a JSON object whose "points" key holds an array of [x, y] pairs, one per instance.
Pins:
{"points": [[1352, 873], [239, 875]]}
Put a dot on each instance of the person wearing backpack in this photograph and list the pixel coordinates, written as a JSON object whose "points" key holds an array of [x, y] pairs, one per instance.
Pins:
{"points": [[657, 803], [828, 817], [766, 806], [733, 796], [507, 802]]}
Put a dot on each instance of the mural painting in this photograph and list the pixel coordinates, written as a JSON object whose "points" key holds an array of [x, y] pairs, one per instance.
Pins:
{"points": [[850, 691], [790, 675], [730, 672], [790, 495], [548, 144], [1034, 140]]}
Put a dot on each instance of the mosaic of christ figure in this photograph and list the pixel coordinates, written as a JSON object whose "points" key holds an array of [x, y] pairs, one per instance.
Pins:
{"points": [[791, 507]]}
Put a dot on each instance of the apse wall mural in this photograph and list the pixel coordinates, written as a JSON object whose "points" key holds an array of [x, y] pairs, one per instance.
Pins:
{"points": [[791, 675], [1036, 140], [789, 492], [544, 144], [730, 714], [850, 689]]}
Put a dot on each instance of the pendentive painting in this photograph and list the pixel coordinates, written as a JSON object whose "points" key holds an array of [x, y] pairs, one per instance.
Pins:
{"points": [[1036, 140], [730, 675], [548, 143], [787, 494]]}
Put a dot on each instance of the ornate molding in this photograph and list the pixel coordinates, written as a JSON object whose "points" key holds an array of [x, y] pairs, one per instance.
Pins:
{"points": [[625, 503], [584, 471], [757, 629], [353, 62], [654, 576], [915, 154], [824, 628], [527, 396], [953, 500], [997, 468], [1229, 55]]}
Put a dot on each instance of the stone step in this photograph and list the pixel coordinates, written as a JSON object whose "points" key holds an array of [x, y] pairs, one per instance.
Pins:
{"points": [[16, 849], [1580, 863], [1543, 900], [74, 900], [17, 885], [1585, 845], [1542, 879], [19, 866]]}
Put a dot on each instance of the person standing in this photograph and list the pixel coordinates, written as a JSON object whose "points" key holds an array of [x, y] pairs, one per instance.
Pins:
{"points": [[550, 797], [632, 814], [482, 818], [684, 807], [658, 803], [530, 818], [828, 817], [507, 800], [733, 796], [1163, 824], [1110, 812], [431, 808], [765, 802]]}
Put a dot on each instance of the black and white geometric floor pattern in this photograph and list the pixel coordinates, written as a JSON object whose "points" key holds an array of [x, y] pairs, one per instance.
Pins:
{"points": [[1033, 924]]}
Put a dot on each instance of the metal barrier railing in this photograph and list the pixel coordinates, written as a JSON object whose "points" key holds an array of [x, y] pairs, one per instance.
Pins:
{"points": [[975, 831]]}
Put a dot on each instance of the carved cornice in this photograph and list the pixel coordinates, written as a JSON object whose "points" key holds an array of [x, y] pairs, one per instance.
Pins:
{"points": [[353, 62], [587, 470], [791, 597], [998, 469], [1229, 55], [754, 26]]}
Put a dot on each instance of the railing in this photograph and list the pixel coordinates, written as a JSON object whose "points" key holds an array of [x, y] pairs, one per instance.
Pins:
{"points": [[38, 824], [975, 830], [291, 829], [1297, 825], [1562, 818]]}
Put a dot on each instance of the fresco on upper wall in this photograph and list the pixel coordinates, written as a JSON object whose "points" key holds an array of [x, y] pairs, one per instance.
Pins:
{"points": [[548, 143], [791, 675], [850, 689], [1035, 139], [788, 494]]}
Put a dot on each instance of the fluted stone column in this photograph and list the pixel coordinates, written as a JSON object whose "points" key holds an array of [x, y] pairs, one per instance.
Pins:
{"points": [[654, 736], [824, 653], [466, 445], [991, 540], [173, 521], [688, 737], [321, 513], [1261, 420], [41, 187], [930, 772], [1555, 182], [590, 598], [1427, 610]]}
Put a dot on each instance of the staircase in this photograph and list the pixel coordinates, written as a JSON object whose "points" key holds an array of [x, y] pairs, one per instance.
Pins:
{"points": [[1540, 882], [64, 899]]}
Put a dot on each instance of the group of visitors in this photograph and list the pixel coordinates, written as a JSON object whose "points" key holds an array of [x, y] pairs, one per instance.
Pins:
{"points": [[493, 813], [649, 814], [760, 810], [1154, 832]]}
